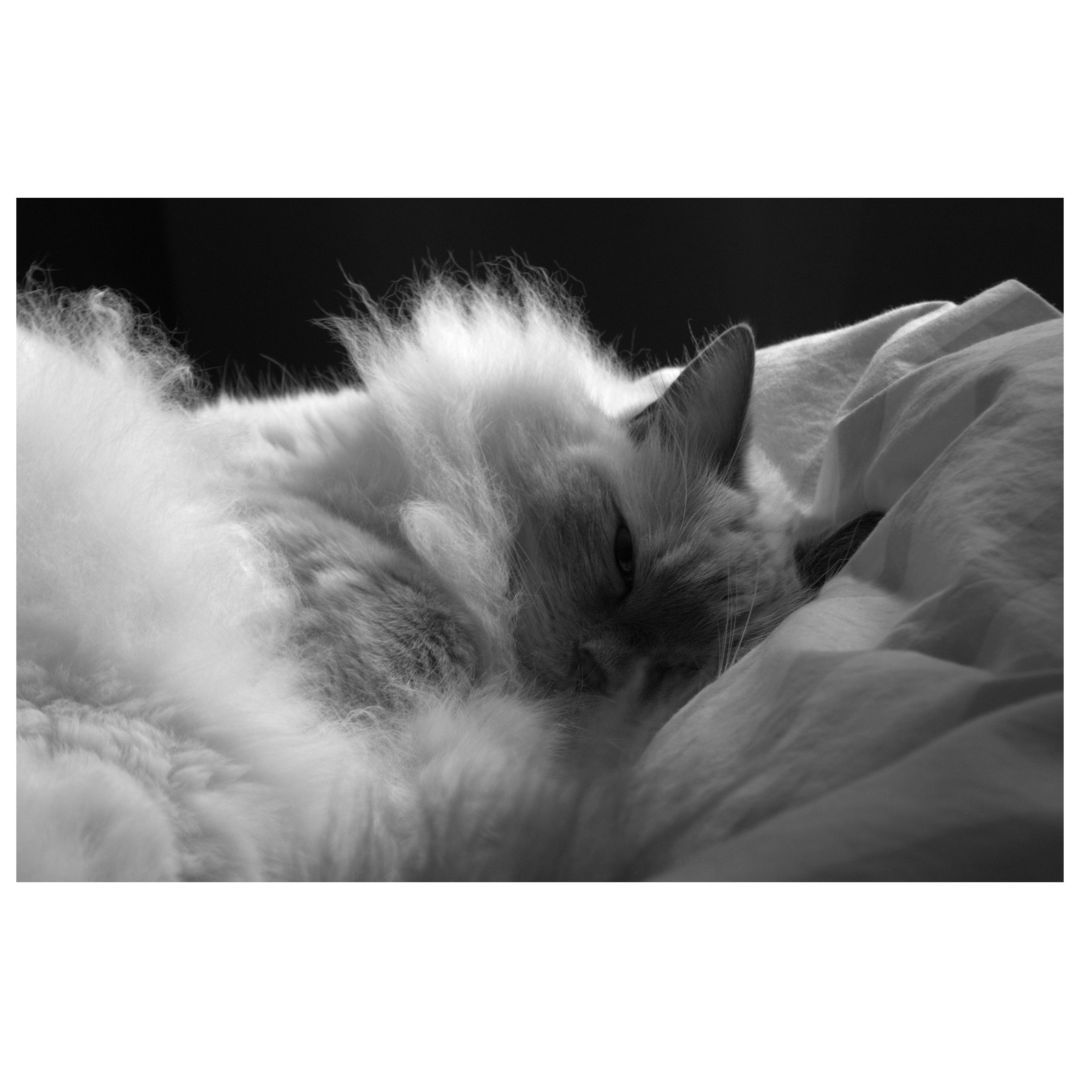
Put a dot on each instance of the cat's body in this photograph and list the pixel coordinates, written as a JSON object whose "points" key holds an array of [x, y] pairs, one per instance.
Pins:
{"points": [[498, 554]]}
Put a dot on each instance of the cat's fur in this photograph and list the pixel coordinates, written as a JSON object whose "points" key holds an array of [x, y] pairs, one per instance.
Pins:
{"points": [[373, 632]]}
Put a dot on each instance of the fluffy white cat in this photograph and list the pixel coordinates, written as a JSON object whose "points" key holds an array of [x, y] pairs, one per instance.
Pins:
{"points": [[404, 629]]}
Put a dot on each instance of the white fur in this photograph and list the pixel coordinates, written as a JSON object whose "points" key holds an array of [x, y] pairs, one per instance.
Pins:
{"points": [[147, 615], [164, 729]]}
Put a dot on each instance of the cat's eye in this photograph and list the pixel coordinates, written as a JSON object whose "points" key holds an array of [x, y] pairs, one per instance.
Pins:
{"points": [[624, 553]]}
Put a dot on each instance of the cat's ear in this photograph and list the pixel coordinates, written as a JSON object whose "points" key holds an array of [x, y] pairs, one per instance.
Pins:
{"points": [[704, 411]]}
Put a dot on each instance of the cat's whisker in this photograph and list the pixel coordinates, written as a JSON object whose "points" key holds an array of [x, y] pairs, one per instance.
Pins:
{"points": [[749, 613]]}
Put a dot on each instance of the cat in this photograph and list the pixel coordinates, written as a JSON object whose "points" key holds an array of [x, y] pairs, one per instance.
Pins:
{"points": [[496, 504], [399, 629]]}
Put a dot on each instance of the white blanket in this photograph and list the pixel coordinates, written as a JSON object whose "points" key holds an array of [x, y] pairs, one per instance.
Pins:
{"points": [[907, 724]]}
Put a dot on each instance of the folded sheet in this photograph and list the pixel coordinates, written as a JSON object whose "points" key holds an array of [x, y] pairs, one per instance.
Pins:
{"points": [[908, 722]]}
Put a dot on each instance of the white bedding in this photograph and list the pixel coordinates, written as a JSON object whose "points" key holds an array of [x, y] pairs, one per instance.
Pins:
{"points": [[907, 724]]}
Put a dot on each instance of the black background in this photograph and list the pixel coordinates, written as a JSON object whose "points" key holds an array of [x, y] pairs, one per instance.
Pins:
{"points": [[241, 281]]}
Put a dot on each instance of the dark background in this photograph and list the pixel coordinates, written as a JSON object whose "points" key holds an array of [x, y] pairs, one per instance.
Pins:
{"points": [[240, 281]]}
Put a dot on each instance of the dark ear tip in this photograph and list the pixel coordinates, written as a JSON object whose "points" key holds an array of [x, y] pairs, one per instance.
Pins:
{"points": [[741, 336], [736, 340]]}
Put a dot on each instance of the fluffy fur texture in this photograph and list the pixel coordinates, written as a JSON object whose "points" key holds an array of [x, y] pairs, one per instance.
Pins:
{"points": [[398, 630]]}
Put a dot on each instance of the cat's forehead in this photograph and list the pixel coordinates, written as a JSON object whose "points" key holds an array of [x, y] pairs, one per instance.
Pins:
{"points": [[664, 487], [582, 478], [673, 507]]}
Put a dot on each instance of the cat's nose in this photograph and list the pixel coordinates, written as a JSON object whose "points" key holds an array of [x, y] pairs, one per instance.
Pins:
{"points": [[589, 673]]}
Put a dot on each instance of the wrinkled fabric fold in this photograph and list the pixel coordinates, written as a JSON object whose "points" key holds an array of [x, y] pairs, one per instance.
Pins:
{"points": [[908, 722]]}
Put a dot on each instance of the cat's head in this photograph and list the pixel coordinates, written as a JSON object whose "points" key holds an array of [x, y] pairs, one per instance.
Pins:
{"points": [[617, 518], [639, 563]]}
